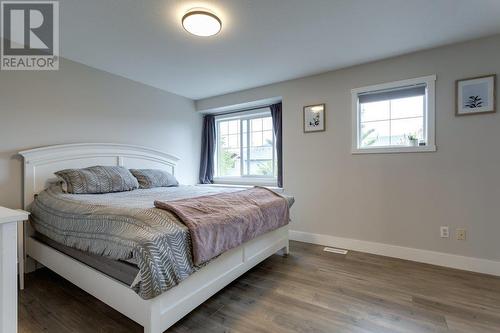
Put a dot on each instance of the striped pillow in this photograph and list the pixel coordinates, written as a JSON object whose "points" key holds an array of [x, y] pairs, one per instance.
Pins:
{"points": [[98, 179], [149, 178]]}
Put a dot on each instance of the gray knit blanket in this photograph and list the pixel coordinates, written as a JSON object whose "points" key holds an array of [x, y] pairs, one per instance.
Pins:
{"points": [[125, 226]]}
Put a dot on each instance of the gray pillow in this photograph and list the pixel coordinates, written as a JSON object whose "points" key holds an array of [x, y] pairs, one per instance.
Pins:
{"points": [[149, 178], [98, 179]]}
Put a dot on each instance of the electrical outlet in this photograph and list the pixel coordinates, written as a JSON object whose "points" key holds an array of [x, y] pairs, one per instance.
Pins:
{"points": [[445, 231], [461, 233]]}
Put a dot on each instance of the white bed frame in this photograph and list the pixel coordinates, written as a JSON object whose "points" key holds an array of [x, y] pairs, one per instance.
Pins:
{"points": [[158, 314]]}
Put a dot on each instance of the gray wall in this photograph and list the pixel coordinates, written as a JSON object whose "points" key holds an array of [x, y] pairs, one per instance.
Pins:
{"points": [[399, 199], [82, 104]]}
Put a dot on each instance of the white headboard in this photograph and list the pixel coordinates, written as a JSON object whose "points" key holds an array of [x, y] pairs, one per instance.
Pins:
{"points": [[41, 163]]}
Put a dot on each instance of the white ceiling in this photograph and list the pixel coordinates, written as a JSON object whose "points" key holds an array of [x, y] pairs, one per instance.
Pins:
{"points": [[262, 41]]}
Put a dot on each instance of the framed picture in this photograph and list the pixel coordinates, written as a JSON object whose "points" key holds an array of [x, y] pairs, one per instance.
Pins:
{"points": [[314, 118], [476, 95]]}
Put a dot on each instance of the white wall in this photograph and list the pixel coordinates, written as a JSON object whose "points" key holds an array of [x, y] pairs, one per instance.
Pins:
{"points": [[82, 104], [398, 199]]}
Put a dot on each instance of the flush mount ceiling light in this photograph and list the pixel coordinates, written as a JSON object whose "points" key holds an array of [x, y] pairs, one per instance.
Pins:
{"points": [[201, 22]]}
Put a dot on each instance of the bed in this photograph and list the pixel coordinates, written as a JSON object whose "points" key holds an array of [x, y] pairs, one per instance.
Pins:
{"points": [[110, 280]]}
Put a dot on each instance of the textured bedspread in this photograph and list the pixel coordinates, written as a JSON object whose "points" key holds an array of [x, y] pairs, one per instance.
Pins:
{"points": [[124, 226], [221, 222]]}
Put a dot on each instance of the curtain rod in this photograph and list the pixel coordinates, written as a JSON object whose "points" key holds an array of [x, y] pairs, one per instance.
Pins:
{"points": [[243, 110]]}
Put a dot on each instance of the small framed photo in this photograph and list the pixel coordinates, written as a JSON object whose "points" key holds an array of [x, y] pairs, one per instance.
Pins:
{"points": [[314, 118], [476, 95]]}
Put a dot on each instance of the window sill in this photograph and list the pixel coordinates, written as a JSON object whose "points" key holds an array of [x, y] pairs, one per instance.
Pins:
{"points": [[273, 188], [394, 150], [252, 181]]}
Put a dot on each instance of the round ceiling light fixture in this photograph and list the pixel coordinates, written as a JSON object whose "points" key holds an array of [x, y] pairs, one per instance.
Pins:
{"points": [[201, 22]]}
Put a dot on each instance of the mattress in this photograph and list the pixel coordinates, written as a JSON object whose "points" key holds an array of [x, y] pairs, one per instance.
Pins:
{"points": [[120, 227], [120, 270]]}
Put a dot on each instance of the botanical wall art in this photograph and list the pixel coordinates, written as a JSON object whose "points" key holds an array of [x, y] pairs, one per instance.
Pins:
{"points": [[476, 95], [314, 118]]}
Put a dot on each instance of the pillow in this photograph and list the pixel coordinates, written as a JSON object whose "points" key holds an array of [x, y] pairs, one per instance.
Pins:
{"points": [[58, 182], [149, 178], [98, 179]]}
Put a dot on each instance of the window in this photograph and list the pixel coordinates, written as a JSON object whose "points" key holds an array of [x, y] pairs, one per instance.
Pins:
{"points": [[394, 117], [245, 148]]}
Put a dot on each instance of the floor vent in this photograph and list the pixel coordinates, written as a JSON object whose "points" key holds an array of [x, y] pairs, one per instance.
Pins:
{"points": [[335, 250]]}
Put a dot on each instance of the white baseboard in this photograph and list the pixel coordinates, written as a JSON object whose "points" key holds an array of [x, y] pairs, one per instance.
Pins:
{"points": [[425, 256]]}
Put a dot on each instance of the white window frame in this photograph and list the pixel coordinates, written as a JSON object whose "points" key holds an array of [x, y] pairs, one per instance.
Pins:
{"points": [[245, 179], [429, 116]]}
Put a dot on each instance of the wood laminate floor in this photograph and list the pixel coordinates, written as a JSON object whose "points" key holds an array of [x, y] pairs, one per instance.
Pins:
{"points": [[309, 291]]}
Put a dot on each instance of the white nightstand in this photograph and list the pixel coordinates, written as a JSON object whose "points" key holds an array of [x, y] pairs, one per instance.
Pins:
{"points": [[8, 267]]}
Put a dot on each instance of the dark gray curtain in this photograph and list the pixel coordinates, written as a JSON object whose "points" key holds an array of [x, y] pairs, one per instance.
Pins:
{"points": [[277, 128], [207, 150]]}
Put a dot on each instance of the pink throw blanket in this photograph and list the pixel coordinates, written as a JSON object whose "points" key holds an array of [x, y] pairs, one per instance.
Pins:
{"points": [[224, 221]]}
